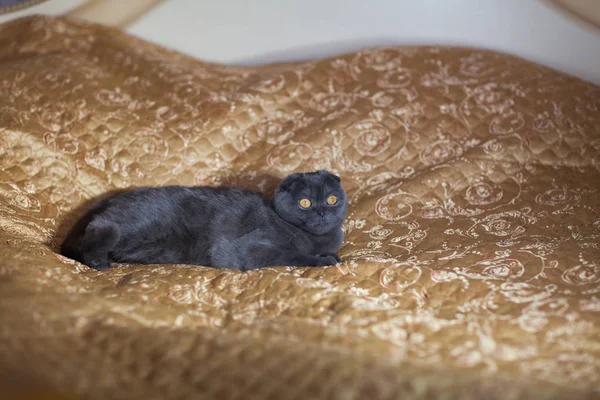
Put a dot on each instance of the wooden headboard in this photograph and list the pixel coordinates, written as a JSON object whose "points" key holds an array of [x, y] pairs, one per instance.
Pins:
{"points": [[585, 10], [108, 12]]}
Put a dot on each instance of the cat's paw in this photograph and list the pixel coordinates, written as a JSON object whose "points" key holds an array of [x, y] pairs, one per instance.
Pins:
{"points": [[337, 258], [97, 263], [327, 259]]}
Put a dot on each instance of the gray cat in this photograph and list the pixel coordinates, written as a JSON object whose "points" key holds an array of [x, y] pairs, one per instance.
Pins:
{"points": [[222, 227]]}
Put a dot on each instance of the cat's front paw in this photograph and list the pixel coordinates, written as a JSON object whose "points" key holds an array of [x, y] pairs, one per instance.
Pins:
{"points": [[337, 258], [328, 259]]}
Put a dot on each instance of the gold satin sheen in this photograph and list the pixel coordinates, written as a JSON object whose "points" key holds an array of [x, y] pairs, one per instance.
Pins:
{"points": [[471, 264]]}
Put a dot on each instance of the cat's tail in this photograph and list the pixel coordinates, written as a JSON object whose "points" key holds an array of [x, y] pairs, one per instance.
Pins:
{"points": [[92, 244]]}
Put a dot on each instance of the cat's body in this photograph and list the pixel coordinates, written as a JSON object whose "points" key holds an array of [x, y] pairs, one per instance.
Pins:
{"points": [[220, 227]]}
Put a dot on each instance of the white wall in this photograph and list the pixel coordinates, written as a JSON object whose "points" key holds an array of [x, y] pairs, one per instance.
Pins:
{"points": [[261, 31]]}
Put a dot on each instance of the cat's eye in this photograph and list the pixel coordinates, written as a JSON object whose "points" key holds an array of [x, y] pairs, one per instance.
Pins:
{"points": [[305, 203], [331, 200]]}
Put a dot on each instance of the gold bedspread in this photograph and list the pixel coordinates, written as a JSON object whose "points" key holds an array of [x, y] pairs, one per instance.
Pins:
{"points": [[471, 264]]}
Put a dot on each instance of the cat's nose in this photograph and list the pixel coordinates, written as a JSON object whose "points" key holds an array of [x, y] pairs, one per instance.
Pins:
{"points": [[322, 215]]}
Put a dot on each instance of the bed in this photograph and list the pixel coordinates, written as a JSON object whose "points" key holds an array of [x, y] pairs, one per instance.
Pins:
{"points": [[471, 264]]}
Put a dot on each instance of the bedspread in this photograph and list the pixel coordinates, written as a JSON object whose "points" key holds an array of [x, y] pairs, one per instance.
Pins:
{"points": [[471, 262]]}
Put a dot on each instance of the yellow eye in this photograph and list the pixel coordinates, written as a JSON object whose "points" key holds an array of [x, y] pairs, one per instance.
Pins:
{"points": [[305, 203], [331, 200]]}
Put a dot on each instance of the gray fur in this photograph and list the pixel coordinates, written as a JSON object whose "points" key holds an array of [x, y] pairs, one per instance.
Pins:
{"points": [[222, 227]]}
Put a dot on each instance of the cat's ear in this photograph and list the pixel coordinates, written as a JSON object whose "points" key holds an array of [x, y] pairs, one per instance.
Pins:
{"points": [[288, 182], [325, 172]]}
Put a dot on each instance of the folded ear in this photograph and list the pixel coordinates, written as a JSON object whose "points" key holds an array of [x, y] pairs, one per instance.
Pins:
{"points": [[325, 172], [288, 182]]}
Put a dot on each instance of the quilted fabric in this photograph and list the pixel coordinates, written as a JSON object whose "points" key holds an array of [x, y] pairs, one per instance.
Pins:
{"points": [[471, 265]]}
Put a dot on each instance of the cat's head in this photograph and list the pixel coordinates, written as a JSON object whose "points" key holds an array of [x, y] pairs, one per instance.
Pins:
{"points": [[312, 201]]}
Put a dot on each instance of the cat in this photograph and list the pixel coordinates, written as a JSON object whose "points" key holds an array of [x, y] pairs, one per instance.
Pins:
{"points": [[221, 227]]}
